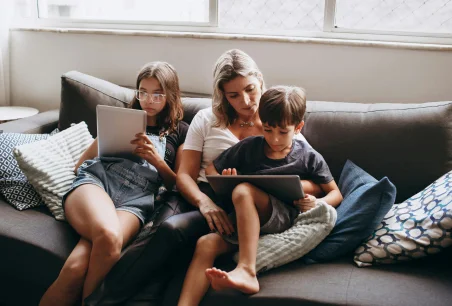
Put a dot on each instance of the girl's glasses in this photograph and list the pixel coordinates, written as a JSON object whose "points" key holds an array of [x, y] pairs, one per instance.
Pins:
{"points": [[155, 97]]}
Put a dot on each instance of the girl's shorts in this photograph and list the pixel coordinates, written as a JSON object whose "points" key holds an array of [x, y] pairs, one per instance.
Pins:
{"points": [[131, 186]]}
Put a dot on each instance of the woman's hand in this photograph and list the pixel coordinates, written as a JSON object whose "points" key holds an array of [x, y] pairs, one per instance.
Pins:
{"points": [[306, 203], [146, 149], [216, 217], [229, 171]]}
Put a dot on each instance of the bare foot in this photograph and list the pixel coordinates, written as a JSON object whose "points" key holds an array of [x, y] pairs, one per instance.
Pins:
{"points": [[239, 279]]}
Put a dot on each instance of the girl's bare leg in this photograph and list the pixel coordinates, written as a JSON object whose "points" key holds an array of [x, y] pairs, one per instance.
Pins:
{"points": [[92, 214], [67, 288]]}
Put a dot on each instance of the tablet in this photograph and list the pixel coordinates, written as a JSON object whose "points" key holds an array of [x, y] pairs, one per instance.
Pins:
{"points": [[116, 128], [287, 188]]}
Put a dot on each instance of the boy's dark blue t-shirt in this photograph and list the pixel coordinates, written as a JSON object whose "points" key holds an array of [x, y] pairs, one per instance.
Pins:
{"points": [[248, 157]]}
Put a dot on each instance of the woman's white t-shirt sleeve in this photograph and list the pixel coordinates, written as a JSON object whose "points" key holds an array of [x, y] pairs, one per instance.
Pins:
{"points": [[196, 132]]}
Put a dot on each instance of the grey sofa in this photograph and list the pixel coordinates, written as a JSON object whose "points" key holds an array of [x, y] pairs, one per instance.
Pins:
{"points": [[409, 143]]}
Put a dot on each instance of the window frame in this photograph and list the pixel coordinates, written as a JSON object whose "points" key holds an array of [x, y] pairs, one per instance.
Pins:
{"points": [[329, 31]]}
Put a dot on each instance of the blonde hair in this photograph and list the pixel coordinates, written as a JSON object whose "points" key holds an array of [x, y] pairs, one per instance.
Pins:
{"points": [[231, 64], [173, 111], [283, 106]]}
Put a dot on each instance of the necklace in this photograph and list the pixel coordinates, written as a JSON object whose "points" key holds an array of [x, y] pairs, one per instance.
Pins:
{"points": [[247, 123]]}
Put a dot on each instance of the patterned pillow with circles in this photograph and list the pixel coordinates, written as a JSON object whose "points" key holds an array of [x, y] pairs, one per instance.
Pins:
{"points": [[420, 226]]}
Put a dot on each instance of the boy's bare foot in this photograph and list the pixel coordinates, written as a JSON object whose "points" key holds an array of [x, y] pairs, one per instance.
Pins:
{"points": [[239, 279]]}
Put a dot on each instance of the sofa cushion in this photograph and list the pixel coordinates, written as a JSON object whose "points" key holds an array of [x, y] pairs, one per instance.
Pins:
{"points": [[418, 227], [49, 164], [81, 93], [366, 201], [409, 143], [340, 283], [34, 247], [14, 185]]}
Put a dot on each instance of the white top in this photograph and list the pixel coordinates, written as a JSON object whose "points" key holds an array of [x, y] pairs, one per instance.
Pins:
{"points": [[16, 112], [209, 140]]}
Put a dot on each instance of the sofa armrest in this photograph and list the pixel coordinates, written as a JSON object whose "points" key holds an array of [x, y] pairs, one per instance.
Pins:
{"points": [[38, 124]]}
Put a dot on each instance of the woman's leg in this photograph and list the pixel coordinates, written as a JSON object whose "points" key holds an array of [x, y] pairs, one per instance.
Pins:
{"points": [[67, 288], [252, 208], [196, 283], [176, 226], [92, 214]]}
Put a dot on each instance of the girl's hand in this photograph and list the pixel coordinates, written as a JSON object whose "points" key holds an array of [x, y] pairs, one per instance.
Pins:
{"points": [[146, 149], [306, 203], [229, 171], [216, 217]]}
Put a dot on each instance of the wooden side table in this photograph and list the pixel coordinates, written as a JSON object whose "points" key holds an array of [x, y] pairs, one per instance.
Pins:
{"points": [[8, 113]]}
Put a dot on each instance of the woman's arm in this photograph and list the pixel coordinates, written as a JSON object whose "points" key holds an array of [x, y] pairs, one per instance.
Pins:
{"points": [[187, 175], [90, 153]]}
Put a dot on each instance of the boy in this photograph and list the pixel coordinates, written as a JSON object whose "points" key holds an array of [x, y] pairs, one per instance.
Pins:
{"points": [[281, 111]]}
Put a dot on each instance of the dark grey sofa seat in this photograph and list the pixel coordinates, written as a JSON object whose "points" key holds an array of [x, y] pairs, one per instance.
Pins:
{"points": [[409, 143]]}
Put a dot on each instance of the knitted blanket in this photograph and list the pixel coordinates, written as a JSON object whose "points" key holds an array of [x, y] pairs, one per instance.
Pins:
{"points": [[49, 164], [309, 229]]}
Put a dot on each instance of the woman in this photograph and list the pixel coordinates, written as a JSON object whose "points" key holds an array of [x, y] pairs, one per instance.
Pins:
{"points": [[238, 86], [110, 198]]}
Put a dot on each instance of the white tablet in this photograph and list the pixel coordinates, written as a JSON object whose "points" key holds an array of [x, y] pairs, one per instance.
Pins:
{"points": [[116, 128], [284, 187]]}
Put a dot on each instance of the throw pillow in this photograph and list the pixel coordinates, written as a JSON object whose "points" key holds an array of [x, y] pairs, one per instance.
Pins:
{"points": [[49, 164], [420, 226], [14, 186], [308, 230], [365, 202]]}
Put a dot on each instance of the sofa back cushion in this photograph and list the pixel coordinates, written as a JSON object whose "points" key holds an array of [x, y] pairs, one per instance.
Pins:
{"points": [[411, 144], [81, 93]]}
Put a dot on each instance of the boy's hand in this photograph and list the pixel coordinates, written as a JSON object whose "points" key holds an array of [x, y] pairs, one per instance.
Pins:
{"points": [[306, 203], [229, 171]]}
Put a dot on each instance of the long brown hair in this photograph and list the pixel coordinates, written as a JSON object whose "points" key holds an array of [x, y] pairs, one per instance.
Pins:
{"points": [[173, 111], [229, 65]]}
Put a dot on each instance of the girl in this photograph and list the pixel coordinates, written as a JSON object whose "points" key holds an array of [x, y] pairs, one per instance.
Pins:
{"points": [[109, 200]]}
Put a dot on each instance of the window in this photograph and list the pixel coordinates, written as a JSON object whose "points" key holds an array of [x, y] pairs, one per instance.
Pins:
{"points": [[314, 18], [434, 16]]}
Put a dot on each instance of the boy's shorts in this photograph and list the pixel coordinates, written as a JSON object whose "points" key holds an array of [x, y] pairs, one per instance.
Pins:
{"points": [[281, 219], [130, 185]]}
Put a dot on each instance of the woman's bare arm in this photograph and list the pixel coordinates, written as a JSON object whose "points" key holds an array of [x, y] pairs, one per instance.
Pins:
{"points": [[189, 167], [187, 175]]}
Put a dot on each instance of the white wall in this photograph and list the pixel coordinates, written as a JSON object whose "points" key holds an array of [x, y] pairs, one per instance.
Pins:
{"points": [[328, 72]]}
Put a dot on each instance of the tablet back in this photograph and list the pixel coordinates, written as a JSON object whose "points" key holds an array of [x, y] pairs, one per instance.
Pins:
{"points": [[116, 128], [284, 187]]}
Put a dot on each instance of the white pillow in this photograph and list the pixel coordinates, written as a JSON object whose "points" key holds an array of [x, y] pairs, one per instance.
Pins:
{"points": [[49, 164]]}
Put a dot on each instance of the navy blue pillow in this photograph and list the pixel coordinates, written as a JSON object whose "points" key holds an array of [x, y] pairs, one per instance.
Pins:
{"points": [[366, 201]]}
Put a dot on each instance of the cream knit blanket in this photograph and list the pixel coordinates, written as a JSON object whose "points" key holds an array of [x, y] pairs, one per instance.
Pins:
{"points": [[49, 164], [309, 229]]}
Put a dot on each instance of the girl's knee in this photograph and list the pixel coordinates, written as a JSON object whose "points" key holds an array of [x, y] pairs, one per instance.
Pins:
{"points": [[109, 241], [75, 269]]}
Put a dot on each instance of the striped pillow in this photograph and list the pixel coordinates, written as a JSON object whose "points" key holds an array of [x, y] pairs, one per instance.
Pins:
{"points": [[49, 164]]}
